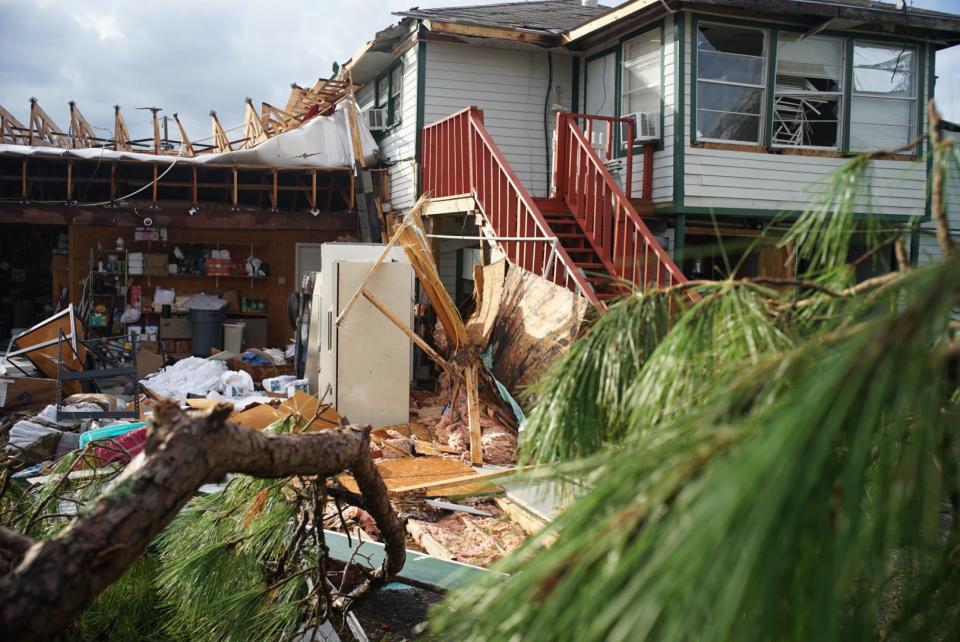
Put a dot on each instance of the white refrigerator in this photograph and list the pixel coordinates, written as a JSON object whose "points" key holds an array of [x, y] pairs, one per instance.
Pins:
{"points": [[364, 365]]}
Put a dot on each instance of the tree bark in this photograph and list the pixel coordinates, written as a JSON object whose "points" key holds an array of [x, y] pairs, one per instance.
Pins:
{"points": [[55, 579]]}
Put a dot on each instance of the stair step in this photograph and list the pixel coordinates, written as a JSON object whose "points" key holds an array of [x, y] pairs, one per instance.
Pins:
{"points": [[572, 235]]}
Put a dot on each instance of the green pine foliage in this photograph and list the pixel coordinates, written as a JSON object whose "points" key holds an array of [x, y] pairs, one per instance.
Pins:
{"points": [[776, 464]]}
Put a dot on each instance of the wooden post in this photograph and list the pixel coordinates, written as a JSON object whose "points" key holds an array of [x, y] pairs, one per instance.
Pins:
{"points": [[235, 189], [193, 187], [153, 191], [647, 172], [273, 194], [69, 180], [473, 413], [313, 189]]}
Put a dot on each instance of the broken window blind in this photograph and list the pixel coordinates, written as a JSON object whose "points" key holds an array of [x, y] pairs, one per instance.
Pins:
{"points": [[807, 105]]}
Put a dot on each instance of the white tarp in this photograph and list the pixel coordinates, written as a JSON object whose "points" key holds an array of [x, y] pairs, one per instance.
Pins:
{"points": [[322, 142]]}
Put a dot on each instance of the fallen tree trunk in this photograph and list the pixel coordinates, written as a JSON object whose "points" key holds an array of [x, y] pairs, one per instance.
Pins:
{"points": [[52, 581]]}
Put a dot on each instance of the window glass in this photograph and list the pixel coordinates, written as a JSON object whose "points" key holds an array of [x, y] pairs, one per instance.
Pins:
{"points": [[807, 105], [884, 111], [396, 92], [731, 73], [883, 70], [641, 74], [383, 86]]}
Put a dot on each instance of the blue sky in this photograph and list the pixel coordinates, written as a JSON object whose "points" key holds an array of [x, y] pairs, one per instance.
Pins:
{"points": [[190, 57]]}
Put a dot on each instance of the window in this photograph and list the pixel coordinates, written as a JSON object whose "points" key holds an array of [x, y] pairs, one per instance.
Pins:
{"points": [[389, 93], [731, 69], [640, 85], [883, 113], [808, 96]]}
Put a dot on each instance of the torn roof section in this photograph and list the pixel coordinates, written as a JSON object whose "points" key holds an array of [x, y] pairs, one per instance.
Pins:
{"points": [[322, 142], [546, 17]]}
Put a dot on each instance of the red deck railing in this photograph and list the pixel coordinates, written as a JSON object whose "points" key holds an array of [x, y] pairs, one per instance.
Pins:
{"points": [[620, 237], [460, 157]]}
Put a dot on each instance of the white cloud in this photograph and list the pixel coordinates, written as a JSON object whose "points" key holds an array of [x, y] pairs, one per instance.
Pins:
{"points": [[106, 26]]}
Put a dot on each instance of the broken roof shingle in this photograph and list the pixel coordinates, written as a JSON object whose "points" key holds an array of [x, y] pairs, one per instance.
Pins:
{"points": [[548, 16]]}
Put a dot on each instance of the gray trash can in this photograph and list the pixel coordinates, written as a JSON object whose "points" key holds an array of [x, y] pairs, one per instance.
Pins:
{"points": [[206, 329]]}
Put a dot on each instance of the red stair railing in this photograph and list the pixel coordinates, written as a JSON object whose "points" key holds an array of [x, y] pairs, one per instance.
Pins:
{"points": [[624, 243], [460, 157]]}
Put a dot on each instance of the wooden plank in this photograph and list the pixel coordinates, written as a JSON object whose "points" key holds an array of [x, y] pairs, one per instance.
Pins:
{"points": [[605, 20], [476, 480], [473, 415], [529, 522], [435, 476], [429, 543]]}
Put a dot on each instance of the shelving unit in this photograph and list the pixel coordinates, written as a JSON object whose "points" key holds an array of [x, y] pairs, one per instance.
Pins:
{"points": [[117, 298], [165, 245]]}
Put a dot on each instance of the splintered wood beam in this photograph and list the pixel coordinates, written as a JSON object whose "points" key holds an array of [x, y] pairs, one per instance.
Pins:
{"points": [[156, 180], [220, 141], [121, 137], [188, 146], [313, 189]]}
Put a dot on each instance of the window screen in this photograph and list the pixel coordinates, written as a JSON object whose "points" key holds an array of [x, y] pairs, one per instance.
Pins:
{"points": [[731, 67], [883, 113], [641, 88], [807, 104]]}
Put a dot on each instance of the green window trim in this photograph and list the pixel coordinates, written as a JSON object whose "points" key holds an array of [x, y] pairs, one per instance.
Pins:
{"points": [[393, 96], [773, 29]]}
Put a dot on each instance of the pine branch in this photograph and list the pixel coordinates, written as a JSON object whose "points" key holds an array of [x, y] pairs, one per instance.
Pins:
{"points": [[58, 577]]}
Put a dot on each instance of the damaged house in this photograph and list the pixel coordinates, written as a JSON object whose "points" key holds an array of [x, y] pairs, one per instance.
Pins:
{"points": [[408, 246]]}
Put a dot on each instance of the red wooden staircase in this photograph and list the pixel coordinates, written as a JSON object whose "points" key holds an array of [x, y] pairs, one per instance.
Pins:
{"points": [[588, 236]]}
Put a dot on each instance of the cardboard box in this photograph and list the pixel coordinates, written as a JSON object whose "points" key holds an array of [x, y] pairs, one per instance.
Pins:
{"points": [[27, 393], [175, 328], [155, 264], [232, 297], [148, 361], [183, 346]]}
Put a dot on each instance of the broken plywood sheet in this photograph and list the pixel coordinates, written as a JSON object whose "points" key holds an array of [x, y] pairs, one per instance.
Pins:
{"points": [[488, 290], [536, 323], [406, 475]]}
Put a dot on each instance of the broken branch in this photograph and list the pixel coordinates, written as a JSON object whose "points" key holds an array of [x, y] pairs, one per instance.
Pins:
{"points": [[57, 578]]}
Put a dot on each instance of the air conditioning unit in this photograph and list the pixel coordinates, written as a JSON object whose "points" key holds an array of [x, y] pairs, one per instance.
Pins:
{"points": [[376, 119], [647, 125]]}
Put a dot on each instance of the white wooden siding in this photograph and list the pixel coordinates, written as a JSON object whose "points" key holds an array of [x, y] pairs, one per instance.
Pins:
{"points": [[748, 180], [663, 159], [510, 86], [398, 145], [929, 249]]}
